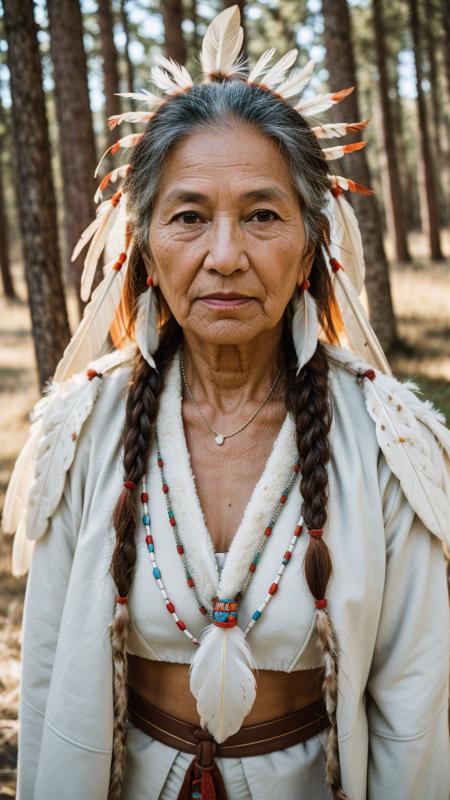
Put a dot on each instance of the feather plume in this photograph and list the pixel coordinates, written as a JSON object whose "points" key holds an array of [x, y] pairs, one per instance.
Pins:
{"points": [[297, 81], [89, 232], [373, 351], [305, 329], [261, 65], [122, 144], [349, 185], [152, 100], [222, 44], [331, 153], [133, 117], [276, 73], [345, 239], [179, 73], [20, 481], [96, 247], [146, 329], [93, 328], [222, 681], [111, 177], [321, 102], [337, 129], [407, 452]]}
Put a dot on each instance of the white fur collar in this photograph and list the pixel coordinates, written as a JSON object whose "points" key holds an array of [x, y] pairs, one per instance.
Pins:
{"points": [[186, 505]]}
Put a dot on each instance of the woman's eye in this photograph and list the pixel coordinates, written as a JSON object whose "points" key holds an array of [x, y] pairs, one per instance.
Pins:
{"points": [[264, 215], [188, 217]]}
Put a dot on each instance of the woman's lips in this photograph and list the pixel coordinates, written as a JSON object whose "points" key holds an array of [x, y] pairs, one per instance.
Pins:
{"points": [[222, 301]]}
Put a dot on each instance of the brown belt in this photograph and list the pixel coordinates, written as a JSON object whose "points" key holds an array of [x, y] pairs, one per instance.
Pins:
{"points": [[203, 778]]}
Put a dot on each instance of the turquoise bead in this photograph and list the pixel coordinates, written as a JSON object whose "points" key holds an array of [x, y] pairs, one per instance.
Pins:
{"points": [[146, 519], [151, 548], [156, 572], [256, 614]]}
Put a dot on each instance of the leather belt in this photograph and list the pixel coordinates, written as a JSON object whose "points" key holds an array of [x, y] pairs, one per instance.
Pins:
{"points": [[203, 778]]}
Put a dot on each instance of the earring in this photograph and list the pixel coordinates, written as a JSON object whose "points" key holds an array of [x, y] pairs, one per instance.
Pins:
{"points": [[305, 325], [146, 331]]}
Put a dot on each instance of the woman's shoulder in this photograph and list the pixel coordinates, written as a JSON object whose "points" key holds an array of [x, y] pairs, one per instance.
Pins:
{"points": [[409, 431]]}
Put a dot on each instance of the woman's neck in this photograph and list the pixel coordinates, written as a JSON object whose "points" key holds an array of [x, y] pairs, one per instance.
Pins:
{"points": [[228, 377]]}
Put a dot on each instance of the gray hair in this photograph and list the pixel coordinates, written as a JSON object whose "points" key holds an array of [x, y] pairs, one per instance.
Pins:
{"points": [[223, 104]]}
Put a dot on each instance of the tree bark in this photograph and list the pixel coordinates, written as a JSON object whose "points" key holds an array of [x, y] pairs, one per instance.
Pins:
{"points": [[110, 65], [390, 145], [342, 74], [427, 159], [172, 12], [36, 192], [436, 106], [128, 61], [76, 135], [5, 261]]}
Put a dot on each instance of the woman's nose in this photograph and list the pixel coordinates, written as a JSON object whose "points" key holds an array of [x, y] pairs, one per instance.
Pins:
{"points": [[226, 247]]}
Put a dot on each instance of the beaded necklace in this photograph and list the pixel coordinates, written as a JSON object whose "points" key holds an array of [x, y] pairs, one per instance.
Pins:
{"points": [[225, 610]]}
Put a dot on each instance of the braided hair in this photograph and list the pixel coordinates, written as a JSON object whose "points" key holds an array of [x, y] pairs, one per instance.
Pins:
{"points": [[306, 395]]}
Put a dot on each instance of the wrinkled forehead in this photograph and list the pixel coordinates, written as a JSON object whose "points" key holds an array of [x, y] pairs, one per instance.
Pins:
{"points": [[234, 158]]}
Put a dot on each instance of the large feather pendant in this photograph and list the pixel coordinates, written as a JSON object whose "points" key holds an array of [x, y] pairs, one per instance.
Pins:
{"points": [[146, 331], [222, 681], [305, 328]]}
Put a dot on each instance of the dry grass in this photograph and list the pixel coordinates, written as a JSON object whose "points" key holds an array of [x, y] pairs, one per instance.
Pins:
{"points": [[422, 302]]}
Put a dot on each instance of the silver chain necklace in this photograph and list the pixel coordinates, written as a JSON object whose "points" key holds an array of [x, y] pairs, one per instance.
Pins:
{"points": [[220, 437]]}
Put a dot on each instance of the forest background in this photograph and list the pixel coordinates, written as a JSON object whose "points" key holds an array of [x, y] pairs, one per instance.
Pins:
{"points": [[62, 63]]}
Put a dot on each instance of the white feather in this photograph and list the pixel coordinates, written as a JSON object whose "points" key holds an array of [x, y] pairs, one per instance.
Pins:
{"points": [[88, 233], [222, 43], [276, 74], [222, 681], [95, 250], [179, 73], [20, 481], [111, 177], [408, 453], [146, 329], [305, 328], [373, 351], [22, 550], [94, 327], [297, 81], [152, 100], [133, 117], [321, 102], [337, 129], [122, 144], [346, 241], [261, 65]]}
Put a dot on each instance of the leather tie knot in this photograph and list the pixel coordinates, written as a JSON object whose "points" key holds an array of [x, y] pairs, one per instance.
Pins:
{"points": [[206, 749]]}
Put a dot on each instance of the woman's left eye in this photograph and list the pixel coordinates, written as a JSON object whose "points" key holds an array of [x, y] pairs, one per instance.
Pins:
{"points": [[264, 215]]}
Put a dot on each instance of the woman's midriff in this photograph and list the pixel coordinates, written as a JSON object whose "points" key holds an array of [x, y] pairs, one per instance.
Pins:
{"points": [[166, 686]]}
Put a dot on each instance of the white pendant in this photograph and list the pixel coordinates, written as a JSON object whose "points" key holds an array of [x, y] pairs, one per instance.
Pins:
{"points": [[219, 439]]}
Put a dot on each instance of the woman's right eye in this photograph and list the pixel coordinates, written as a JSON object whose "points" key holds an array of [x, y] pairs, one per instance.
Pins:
{"points": [[188, 217]]}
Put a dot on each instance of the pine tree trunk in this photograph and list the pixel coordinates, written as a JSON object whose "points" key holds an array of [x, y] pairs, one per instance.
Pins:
{"points": [[5, 261], [36, 192], [342, 74], [172, 12], [76, 135], [436, 107], [430, 183], [126, 30], [110, 66], [390, 145], [446, 39]]}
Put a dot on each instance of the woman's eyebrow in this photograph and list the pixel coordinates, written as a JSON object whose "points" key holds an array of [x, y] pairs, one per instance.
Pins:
{"points": [[189, 196]]}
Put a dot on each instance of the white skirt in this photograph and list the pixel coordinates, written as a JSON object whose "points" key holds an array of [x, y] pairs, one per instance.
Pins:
{"points": [[154, 771]]}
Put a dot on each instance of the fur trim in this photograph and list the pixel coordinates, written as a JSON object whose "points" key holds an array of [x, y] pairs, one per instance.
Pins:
{"points": [[186, 505]]}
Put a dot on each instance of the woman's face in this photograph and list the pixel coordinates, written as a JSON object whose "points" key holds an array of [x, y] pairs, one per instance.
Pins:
{"points": [[227, 222]]}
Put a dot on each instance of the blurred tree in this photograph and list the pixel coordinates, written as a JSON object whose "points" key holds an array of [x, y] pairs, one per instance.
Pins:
{"points": [[446, 41], [5, 261], [76, 135], [432, 19], [432, 216], [172, 13], [396, 208], [342, 74], [128, 61], [36, 193], [110, 65]]}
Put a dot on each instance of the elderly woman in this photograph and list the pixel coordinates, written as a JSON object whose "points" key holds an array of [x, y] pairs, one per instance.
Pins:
{"points": [[281, 618]]}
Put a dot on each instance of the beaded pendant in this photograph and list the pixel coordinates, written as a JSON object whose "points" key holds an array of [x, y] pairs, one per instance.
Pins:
{"points": [[225, 611]]}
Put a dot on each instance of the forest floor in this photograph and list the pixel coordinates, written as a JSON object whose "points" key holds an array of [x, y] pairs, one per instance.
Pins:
{"points": [[422, 303]]}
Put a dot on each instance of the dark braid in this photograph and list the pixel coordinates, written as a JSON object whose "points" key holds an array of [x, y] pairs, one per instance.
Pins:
{"points": [[141, 411], [307, 398]]}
